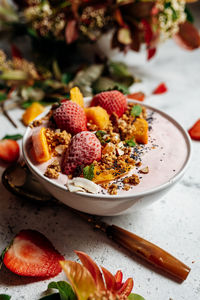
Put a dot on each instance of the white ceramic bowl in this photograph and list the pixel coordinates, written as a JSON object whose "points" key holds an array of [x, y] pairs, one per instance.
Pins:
{"points": [[109, 205]]}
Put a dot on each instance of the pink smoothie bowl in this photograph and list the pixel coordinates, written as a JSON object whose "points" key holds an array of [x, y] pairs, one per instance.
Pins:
{"points": [[164, 173]]}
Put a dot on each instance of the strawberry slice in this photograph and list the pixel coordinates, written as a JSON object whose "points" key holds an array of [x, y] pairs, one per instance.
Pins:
{"points": [[194, 131], [32, 254], [9, 150], [161, 89]]}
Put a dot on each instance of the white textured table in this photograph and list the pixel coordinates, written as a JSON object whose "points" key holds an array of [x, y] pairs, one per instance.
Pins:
{"points": [[173, 223]]}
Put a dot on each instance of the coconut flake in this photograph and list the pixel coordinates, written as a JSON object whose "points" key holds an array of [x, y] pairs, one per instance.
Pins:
{"points": [[80, 184], [72, 188], [120, 147]]}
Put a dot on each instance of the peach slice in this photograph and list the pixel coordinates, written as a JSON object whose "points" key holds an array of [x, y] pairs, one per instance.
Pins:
{"points": [[40, 146], [32, 112], [98, 115], [76, 96], [101, 176], [141, 132]]}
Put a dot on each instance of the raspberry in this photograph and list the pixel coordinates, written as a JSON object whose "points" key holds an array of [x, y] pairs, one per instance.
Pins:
{"points": [[71, 117], [112, 102], [83, 150]]}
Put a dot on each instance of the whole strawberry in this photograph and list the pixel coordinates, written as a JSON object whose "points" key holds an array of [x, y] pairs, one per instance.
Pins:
{"points": [[112, 102], [83, 150], [71, 117]]}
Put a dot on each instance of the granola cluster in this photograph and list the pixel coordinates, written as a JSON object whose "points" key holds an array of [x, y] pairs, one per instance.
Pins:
{"points": [[57, 140]]}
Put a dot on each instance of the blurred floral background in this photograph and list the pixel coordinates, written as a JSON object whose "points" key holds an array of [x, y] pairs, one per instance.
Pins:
{"points": [[62, 32]]}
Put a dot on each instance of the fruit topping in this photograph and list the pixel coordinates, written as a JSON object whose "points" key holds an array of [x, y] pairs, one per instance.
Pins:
{"points": [[98, 116], [40, 146], [111, 101], [76, 96], [32, 112], [71, 117], [83, 150]]}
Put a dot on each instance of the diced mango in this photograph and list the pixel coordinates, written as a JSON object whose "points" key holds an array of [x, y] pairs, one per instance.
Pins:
{"points": [[101, 176], [40, 146], [98, 115], [32, 112], [76, 96], [141, 132]]}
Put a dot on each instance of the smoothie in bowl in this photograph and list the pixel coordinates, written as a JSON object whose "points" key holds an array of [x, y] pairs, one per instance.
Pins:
{"points": [[109, 151]]}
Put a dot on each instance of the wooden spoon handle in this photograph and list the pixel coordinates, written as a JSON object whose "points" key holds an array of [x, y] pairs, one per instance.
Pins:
{"points": [[148, 251]]}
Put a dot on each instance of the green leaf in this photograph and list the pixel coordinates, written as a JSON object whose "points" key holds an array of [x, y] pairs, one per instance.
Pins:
{"points": [[119, 72], [189, 15], [4, 297], [13, 137], [26, 104], [88, 172], [130, 143], [103, 84], [135, 297], [55, 296], [100, 134], [85, 78], [65, 290], [66, 78], [136, 110], [3, 96], [2, 256]]}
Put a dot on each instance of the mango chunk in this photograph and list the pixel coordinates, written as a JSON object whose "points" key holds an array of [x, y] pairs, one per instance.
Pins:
{"points": [[32, 112], [101, 176], [98, 115], [40, 146], [76, 96], [141, 131]]}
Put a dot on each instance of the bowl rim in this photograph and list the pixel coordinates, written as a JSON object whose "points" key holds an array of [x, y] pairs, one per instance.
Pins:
{"points": [[159, 188]]}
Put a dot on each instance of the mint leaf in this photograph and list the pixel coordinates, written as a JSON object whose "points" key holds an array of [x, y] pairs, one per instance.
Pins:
{"points": [[88, 172], [136, 110], [100, 134], [65, 290], [13, 137], [189, 15], [4, 297], [130, 143], [55, 296], [135, 297]]}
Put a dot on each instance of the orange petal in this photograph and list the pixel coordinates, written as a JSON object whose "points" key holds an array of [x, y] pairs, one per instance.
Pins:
{"points": [[118, 278], [92, 267], [126, 288], [80, 278], [109, 279]]}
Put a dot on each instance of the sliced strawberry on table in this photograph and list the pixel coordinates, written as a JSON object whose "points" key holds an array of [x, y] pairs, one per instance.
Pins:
{"points": [[32, 254], [161, 89], [111, 101], [194, 131], [9, 150]]}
